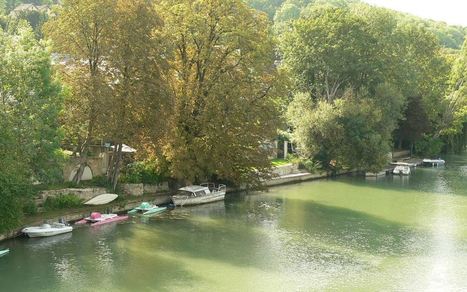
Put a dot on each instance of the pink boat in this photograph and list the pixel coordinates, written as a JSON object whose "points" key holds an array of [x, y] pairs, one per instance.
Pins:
{"points": [[97, 218]]}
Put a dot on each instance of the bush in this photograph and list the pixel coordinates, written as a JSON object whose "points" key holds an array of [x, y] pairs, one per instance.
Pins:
{"points": [[310, 165], [62, 202], [141, 172], [29, 207], [12, 191], [429, 146], [10, 212]]}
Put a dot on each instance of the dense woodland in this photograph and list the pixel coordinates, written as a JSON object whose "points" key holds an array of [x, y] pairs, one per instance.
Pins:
{"points": [[202, 88]]}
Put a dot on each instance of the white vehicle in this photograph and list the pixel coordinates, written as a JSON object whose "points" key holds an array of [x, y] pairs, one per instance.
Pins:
{"points": [[47, 230], [199, 194]]}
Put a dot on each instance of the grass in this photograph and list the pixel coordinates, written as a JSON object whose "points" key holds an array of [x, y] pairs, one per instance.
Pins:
{"points": [[280, 162]]}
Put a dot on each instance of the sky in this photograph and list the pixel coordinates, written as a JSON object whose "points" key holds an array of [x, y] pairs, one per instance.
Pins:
{"points": [[450, 11]]}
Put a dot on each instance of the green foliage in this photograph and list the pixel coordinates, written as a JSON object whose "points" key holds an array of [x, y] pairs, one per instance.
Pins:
{"points": [[34, 102], [429, 146], [224, 91], [311, 166], [62, 202], [453, 127], [267, 6], [346, 133], [142, 172], [29, 107], [35, 19], [29, 207]]}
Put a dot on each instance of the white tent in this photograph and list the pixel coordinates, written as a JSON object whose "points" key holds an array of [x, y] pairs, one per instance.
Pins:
{"points": [[126, 149]]}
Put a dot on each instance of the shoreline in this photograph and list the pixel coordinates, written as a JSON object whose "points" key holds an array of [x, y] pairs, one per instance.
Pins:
{"points": [[71, 215]]}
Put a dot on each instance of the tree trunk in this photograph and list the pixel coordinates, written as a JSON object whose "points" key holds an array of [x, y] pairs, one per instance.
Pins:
{"points": [[110, 169], [82, 165], [85, 147], [116, 168]]}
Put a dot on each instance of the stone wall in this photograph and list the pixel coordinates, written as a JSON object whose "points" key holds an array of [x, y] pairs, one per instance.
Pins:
{"points": [[140, 189], [285, 169], [84, 194], [97, 164]]}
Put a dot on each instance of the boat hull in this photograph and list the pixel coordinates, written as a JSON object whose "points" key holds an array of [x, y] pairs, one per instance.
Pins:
{"points": [[40, 232], [105, 219], [4, 252], [154, 211], [433, 162], [187, 201], [112, 220], [102, 199]]}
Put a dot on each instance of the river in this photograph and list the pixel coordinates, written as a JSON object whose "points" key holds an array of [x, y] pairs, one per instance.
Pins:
{"points": [[346, 234]]}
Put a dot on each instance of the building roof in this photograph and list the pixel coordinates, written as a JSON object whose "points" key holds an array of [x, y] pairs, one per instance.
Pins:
{"points": [[29, 7]]}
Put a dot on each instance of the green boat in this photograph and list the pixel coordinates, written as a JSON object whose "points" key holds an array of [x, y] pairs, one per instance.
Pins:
{"points": [[147, 209], [4, 252]]}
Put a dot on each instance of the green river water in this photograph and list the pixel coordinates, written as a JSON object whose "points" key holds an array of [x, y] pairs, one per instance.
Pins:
{"points": [[347, 234]]}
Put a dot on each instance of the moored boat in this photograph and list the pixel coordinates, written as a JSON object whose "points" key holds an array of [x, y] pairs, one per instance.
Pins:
{"points": [[97, 218], [4, 252], [102, 199], [401, 169], [147, 209], [47, 230], [433, 162], [199, 194]]}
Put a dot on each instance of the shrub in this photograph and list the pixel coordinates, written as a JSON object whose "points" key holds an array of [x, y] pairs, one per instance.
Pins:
{"points": [[62, 202], [310, 165], [29, 207], [429, 146], [141, 172]]}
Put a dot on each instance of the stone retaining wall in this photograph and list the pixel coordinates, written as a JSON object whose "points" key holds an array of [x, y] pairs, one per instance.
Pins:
{"points": [[140, 189], [84, 194], [285, 169]]}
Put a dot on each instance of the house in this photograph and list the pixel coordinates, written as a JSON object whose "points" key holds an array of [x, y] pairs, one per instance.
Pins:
{"points": [[22, 8]]}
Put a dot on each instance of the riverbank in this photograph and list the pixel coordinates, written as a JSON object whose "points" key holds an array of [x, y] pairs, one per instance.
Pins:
{"points": [[285, 174]]}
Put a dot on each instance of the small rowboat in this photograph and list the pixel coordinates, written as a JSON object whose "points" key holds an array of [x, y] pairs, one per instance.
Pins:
{"points": [[4, 252], [97, 219], [102, 199], [47, 230], [146, 209]]}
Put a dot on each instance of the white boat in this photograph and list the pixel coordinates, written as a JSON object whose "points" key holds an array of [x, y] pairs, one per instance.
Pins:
{"points": [[433, 162], [47, 230], [401, 169], [4, 252], [199, 194], [101, 199]]}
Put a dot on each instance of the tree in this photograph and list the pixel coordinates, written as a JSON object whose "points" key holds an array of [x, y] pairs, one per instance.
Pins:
{"points": [[29, 132], [137, 68], [332, 52], [350, 132], [222, 80], [79, 33], [454, 120]]}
